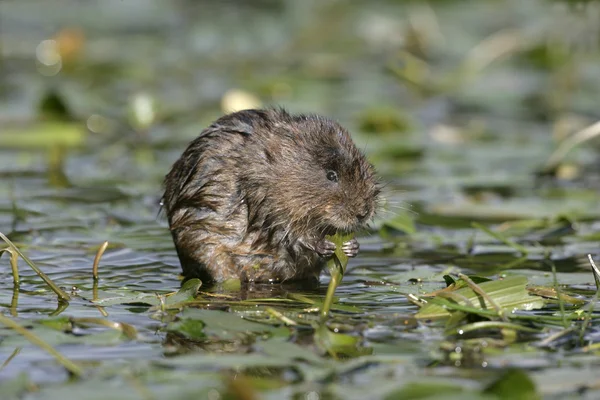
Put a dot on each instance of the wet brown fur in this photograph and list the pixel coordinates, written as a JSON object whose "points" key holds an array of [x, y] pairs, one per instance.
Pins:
{"points": [[250, 195]]}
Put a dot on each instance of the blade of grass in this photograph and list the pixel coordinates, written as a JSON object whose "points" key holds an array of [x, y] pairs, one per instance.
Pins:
{"points": [[99, 254], [15, 267], [276, 314], [561, 302], [570, 143], [546, 319], [449, 305], [13, 264], [483, 294], [302, 298], [65, 362], [60, 307], [555, 336], [500, 238], [128, 330], [596, 272], [61, 294], [542, 319], [513, 264], [456, 297], [14, 301], [492, 325], [550, 293], [497, 46], [590, 310], [15, 352]]}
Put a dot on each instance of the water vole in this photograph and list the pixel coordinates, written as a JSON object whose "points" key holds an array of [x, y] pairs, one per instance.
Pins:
{"points": [[255, 194]]}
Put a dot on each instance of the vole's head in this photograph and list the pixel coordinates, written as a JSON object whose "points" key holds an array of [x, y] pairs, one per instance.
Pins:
{"points": [[321, 181]]}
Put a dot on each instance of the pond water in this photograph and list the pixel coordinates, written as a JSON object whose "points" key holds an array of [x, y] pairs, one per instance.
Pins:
{"points": [[458, 105]]}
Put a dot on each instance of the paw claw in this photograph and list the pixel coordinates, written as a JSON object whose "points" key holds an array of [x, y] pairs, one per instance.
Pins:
{"points": [[351, 247], [325, 248]]}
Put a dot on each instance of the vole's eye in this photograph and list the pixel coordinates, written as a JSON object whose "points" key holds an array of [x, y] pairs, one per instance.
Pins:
{"points": [[332, 176]]}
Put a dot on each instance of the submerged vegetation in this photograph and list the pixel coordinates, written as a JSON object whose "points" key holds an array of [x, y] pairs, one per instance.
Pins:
{"points": [[476, 280]]}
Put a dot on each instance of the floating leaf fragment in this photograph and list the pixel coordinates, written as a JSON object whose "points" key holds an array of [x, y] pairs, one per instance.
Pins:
{"points": [[185, 295], [43, 135], [339, 344]]}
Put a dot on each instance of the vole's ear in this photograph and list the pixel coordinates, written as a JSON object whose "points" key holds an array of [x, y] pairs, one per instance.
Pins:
{"points": [[242, 121]]}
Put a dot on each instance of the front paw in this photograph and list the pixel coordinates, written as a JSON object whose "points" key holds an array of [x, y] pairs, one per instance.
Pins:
{"points": [[350, 248], [325, 248]]}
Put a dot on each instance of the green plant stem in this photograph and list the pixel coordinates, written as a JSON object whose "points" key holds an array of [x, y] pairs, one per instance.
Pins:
{"points": [[561, 303], [99, 254], [336, 278], [501, 238], [61, 294], [15, 352], [14, 266], [590, 310], [595, 272], [14, 301], [65, 362], [276, 314], [494, 325]]}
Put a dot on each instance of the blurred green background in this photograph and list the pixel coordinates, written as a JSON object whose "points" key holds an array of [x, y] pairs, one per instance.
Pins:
{"points": [[470, 110]]}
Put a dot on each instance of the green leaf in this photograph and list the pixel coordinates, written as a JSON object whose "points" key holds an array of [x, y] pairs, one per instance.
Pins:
{"points": [[514, 384], [339, 344], [509, 294], [186, 294], [190, 328], [226, 325], [425, 390], [459, 283], [127, 297], [449, 280]]}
